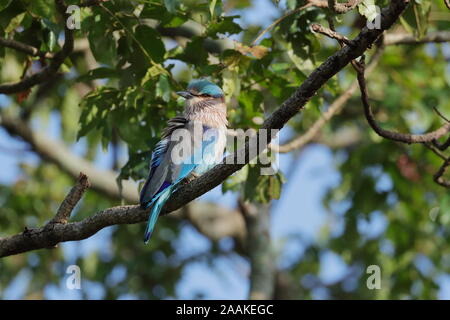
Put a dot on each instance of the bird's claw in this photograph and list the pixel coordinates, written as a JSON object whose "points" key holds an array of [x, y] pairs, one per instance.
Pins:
{"points": [[192, 176]]}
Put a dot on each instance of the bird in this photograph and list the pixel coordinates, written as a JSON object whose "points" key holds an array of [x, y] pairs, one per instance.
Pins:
{"points": [[190, 145]]}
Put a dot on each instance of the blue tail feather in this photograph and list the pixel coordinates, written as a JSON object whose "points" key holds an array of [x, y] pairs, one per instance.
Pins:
{"points": [[154, 213]]}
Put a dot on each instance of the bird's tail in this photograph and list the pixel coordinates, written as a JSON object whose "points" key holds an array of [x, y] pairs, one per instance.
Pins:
{"points": [[154, 213]]}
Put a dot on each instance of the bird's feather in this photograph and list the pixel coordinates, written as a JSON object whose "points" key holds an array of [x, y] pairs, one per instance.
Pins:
{"points": [[156, 181], [200, 145], [165, 174], [154, 214]]}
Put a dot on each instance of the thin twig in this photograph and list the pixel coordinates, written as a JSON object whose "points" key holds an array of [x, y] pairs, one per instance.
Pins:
{"points": [[342, 7], [406, 38], [391, 135], [447, 3], [259, 249], [71, 200], [46, 73], [442, 146], [332, 110], [40, 238], [439, 176], [433, 148], [330, 33], [440, 114], [273, 24], [25, 48], [139, 44]]}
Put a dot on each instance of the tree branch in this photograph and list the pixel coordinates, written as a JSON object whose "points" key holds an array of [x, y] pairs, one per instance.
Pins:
{"points": [[406, 38], [439, 176], [289, 108], [392, 135], [259, 250], [32, 239], [58, 59], [71, 200], [334, 6], [443, 146], [435, 150], [338, 104], [330, 33], [440, 114], [58, 153], [211, 220], [277, 21], [25, 48], [447, 4], [342, 7], [216, 222], [333, 109], [37, 238]]}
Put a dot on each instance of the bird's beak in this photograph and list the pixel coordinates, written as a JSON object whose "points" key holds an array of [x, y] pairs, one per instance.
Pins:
{"points": [[185, 94]]}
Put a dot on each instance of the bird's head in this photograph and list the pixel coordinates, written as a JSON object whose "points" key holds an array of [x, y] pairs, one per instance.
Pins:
{"points": [[202, 90], [205, 102]]}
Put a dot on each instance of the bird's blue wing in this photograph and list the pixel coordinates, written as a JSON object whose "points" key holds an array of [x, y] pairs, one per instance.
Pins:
{"points": [[165, 174], [159, 177], [148, 193]]}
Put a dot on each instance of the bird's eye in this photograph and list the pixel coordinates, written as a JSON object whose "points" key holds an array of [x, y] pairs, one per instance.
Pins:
{"points": [[204, 95]]}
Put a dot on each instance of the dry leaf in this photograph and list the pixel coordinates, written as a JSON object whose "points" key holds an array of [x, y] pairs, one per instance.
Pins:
{"points": [[257, 51], [21, 96]]}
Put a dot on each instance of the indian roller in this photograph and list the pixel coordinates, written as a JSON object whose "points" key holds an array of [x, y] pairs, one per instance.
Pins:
{"points": [[190, 145]]}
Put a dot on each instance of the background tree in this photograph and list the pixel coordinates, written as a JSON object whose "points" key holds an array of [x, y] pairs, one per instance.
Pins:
{"points": [[95, 100]]}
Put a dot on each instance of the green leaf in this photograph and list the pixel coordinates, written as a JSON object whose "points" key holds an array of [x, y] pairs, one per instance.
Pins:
{"points": [[101, 40], [174, 22], [275, 183], [43, 8], [212, 7], [171, 5], [151, 42], [250, 108], [50, 35], [99, 73], [368, 9], [231, 84], [194, 52], [96, 107], [132, 96], [136, 167], [4, 4], [150, 75], [163, 14], [15, 22], [421, 13], [262, 188], [406, 25], [163, 88], [155, 12], [256, 186], [235, 181], [224, 26]]}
